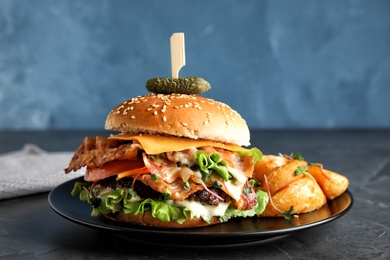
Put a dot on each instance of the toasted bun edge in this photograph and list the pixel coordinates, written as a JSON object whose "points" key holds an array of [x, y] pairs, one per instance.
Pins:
{"points": [[179, 115]]}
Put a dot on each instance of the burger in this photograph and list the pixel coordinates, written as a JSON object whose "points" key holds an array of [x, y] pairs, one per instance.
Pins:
{"points": [[178, 161]]}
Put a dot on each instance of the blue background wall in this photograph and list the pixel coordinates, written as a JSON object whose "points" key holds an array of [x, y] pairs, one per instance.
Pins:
{"points": [[281, 64]]}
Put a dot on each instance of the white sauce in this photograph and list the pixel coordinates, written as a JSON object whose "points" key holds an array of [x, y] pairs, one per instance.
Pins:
{"points": [[201, 211]]}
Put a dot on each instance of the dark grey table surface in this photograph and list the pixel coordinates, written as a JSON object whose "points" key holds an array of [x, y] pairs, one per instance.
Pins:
{"points": [[30, 229]]}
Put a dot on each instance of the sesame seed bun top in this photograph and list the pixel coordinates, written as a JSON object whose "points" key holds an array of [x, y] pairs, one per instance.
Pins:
{"points": [[179, 115]]}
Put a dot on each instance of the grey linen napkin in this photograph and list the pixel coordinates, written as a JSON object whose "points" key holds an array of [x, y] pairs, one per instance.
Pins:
{"points": [[33, 170]]}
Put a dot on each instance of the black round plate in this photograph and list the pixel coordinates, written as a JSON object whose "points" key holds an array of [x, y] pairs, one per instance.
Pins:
{"points": [[235, 232]]}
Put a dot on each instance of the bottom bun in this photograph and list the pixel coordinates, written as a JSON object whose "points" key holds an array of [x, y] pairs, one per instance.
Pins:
{"points": [[147, 219]]}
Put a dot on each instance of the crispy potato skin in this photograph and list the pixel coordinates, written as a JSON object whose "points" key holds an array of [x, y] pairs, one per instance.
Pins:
{"points": [[306, 192], [332, 184]]}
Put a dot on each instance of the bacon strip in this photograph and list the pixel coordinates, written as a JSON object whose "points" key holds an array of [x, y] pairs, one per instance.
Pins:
{"points": [[169, 178], [94, 152]]}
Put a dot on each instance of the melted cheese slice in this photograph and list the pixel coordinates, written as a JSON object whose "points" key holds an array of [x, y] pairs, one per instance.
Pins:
{"points": [[155, 144]]}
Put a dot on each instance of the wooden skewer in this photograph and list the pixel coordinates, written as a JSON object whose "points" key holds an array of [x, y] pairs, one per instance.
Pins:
{"points": [[178, 56]]}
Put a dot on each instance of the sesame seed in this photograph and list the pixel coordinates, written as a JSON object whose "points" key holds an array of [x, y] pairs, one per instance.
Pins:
{"points": [[125, 111], [164, 118], [184, 124], [149, 108], [132, 117], [155, 113]]}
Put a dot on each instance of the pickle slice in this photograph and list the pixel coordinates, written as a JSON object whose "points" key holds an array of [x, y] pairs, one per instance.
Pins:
{"points": [[185, 85]]}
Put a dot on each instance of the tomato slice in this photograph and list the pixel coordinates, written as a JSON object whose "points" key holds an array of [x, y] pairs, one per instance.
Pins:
{"points": [[114, 168]]}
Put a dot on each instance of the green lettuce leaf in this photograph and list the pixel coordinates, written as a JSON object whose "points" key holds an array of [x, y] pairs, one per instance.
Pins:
{"points": [[121, 199], [82, 189], [262, 201], [209, 163], [102, 203], [110, 202], [159, 209], [255, 152]]}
